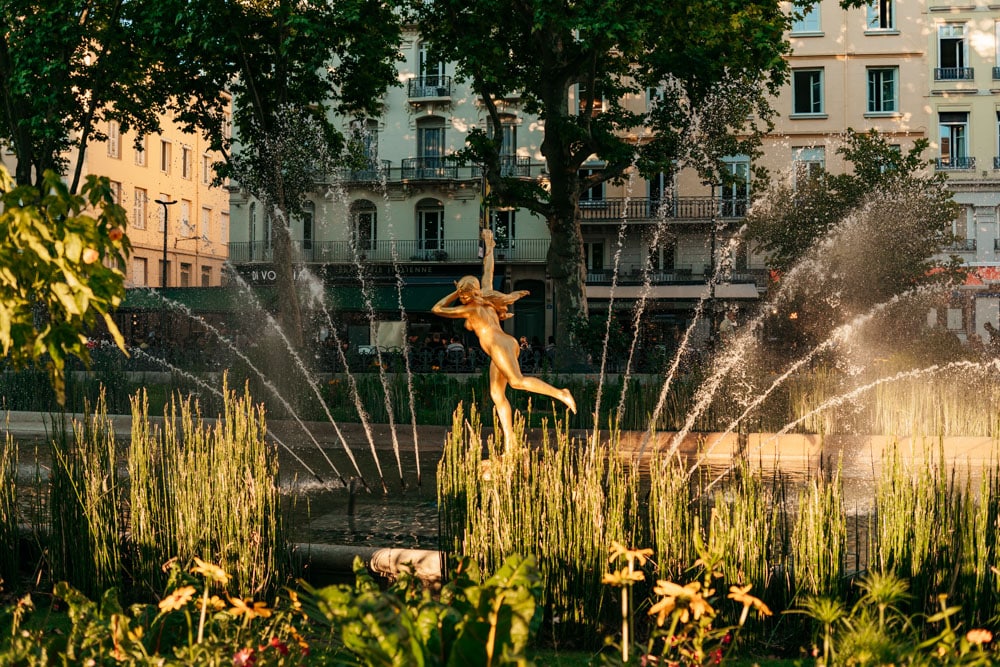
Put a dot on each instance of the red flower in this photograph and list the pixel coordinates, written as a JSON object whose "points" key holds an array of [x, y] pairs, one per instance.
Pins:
{"points": [[244, 658]]}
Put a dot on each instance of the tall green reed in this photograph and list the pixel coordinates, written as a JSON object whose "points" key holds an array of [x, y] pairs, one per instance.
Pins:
{"points": [[88, 505], [563, 503], [9, 516], [208, 491], [819, 538]]}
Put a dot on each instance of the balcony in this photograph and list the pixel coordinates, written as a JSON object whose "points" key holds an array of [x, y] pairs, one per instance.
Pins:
{"points": [[429, 88], [699, 209], [376, 171], [458, 251], [954, 73], [429, 169], [962, 245], [680, 275], [955, 163], [513, 166]]}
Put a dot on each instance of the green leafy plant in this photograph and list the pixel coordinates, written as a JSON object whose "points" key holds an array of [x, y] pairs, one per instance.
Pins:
{"points": [[59, 254], [469, 623]]}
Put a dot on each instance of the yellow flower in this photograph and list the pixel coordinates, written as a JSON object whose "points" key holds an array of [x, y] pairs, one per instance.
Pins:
{"points": [[251, 609], [90, 256], [687, 601], [177, 599], [741, 595], [215, 603], [622, 577], [618, 550], [979, 636], [209, 571]]}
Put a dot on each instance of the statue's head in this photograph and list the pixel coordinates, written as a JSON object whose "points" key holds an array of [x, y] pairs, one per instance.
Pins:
{"points": [[468, 288]]}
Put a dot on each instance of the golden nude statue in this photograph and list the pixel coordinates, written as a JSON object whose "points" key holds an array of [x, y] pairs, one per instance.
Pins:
{"points": [[483, 308]]}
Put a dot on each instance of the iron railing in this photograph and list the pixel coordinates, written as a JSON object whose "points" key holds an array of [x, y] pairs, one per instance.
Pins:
{"points": [[403, 251], [376, 171], [954, 73], [956, 163], [962, 245], [434, 85], [429, 168], [651, 210], [683, 275]]}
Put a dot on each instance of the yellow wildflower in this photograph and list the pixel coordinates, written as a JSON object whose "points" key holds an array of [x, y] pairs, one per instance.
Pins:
{"points": [[741, 595], [687, 601], [177, 599], [979, 636], [248, 608], [209, 571], [622, 577], [618, 550]]}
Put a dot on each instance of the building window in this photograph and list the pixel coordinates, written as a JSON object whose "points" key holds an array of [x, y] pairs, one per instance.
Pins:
{"points": [[584, 98], [165, 156], [661, 256], [430, 227], [116, 191], [954, 140], [593, 253], [252, 229], [431, 80], [807, 162], [114, 139], [308, 215], [594, 195], [185, 162], [206, 169], [206, 276], [161, 213], [734, 193], [430, 148], [224, 225], [807, 91], [187, 229], [506, 134], [364, 225], [881, 15], [140, 277], [502, 222], [139, 208], [952, 55], [185, 274], [140, 152], [206, 222], [883, 84], [808, 22]]}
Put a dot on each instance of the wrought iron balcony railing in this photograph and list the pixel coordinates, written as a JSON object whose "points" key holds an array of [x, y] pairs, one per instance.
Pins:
{"points": [[954, 73], [690, 274], [956, 163], [962, 245], [429, 86], [460, 251], [651, 210], [376, 171], [429, 168]]}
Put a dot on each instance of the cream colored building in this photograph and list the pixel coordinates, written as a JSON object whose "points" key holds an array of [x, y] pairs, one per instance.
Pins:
{"points": [[926, 69]]}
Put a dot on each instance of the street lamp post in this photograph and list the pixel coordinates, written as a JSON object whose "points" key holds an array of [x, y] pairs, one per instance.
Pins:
{"points": [[166, 226]]}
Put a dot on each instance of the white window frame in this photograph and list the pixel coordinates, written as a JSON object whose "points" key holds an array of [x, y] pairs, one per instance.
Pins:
{"points": [[114, 139], [186, 162], [140, 152], [954, 31], [166, 155], [957, 138], [140, 201], [817, 103], [809, 24], [881, 16], [424, 210], [806, 160], [878, 103]]}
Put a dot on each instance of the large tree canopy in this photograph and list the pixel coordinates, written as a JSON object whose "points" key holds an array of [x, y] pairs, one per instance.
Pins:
{"points": [[713, 64], [287, 64], [69, 66]]}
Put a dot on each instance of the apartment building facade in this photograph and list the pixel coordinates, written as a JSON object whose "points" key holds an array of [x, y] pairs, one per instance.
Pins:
{"points": [[926, 70], [178, 221]]}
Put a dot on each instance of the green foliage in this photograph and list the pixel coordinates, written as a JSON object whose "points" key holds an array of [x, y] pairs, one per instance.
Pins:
{"points": [[468, 623], [55, 280]]}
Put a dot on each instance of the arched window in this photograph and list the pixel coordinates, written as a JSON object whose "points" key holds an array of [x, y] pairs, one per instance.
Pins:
{"points": [[430, 227], [364, 225]]}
